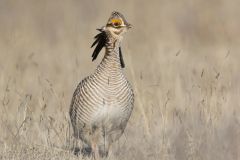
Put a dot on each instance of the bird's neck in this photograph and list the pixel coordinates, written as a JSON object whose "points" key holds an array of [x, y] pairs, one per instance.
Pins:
{"points": [[111, 59]]}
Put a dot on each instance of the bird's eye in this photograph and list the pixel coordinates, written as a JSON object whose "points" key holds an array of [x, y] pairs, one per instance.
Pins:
{"points": [[116, 22]]}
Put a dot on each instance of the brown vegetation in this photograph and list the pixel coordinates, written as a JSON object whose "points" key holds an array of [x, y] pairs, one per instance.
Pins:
{"points": [[182, 58]]}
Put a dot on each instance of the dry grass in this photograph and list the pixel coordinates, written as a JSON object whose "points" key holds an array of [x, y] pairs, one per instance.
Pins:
{"points": [[182, 58]]}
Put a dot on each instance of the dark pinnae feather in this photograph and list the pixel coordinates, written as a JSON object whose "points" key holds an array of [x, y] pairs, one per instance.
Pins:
{"points": [[100, 41], [121, 58], [96, 41]]}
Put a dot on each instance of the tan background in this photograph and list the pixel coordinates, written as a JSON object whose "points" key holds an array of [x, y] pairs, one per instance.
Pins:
{"points": [[182, 58]]}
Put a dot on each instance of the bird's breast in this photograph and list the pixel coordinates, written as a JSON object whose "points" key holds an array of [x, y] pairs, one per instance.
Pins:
{"points": [[115, 100]]}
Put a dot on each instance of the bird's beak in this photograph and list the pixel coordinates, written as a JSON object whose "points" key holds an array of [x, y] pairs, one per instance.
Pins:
{"points": [[129, 26]]}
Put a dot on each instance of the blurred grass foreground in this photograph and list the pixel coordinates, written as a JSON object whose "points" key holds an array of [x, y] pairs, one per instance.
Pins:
{"points": [[182, 57]]}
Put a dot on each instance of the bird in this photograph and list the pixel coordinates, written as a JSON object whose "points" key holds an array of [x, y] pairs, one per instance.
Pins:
{"points": [[103, 102]]}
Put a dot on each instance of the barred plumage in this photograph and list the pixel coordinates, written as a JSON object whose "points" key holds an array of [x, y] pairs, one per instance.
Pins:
{"points": [[102, 102]]}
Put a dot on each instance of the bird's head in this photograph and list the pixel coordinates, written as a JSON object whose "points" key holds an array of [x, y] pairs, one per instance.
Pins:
{"points": [[110, 34], [117, 25]]}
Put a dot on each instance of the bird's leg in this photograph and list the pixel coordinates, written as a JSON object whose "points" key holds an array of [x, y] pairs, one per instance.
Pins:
{"points": [[95, 151], [76, 147]]}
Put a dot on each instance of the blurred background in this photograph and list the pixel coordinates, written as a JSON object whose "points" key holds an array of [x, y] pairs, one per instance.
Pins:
{"points": [[182, 58]]}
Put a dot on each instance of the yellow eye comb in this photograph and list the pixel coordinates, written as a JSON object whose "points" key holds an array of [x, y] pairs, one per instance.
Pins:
{"points": [[116, 21]]}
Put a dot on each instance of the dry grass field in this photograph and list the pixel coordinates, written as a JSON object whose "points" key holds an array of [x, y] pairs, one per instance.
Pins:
{"points": [[182, 57]]}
